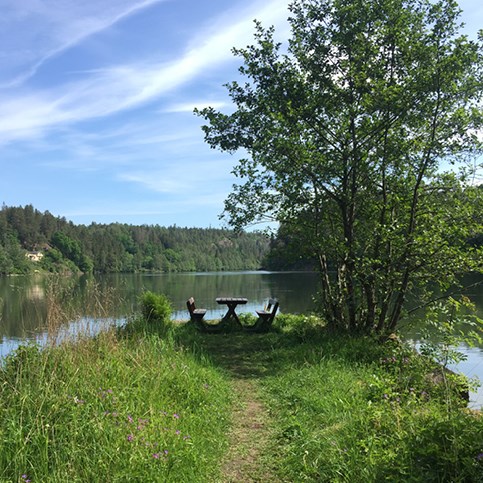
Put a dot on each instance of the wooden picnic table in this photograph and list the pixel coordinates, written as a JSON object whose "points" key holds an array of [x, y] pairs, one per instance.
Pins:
{"points": [[231, 303]]}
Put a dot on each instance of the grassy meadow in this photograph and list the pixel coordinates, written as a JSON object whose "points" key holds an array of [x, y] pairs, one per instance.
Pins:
{"points": [[160, 402]]}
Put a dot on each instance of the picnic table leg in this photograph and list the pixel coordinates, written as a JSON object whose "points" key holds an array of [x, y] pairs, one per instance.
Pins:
{"points": [[231, 313]]}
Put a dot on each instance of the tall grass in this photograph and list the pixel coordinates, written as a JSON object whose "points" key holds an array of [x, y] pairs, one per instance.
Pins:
{"points": [[127, 405], [69, 303], [145, 402], [351, 409]]}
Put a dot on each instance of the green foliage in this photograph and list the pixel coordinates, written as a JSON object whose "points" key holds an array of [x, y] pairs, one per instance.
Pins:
{"points": [[150, 404], [301, 327], [448, 325], [345, 132], [288, 252], [120, 247], [12, 257], [355, 409], [156, 308]]}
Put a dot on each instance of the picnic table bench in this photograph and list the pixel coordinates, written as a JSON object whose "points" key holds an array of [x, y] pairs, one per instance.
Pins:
{"points": [[231, 303], [263, 323], [265, 317], [196, 315]]}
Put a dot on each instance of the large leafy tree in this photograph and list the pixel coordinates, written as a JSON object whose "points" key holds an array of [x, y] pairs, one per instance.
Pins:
{"points": [[346, 133]]}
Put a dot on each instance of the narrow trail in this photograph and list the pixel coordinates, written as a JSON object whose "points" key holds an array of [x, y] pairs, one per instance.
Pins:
{"points": [[244, 358]]}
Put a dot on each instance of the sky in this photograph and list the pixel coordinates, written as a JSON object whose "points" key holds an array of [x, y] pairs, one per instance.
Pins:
{"points": [[97, 99]]}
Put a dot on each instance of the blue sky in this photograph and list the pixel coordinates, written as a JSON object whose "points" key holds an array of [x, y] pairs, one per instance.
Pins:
{"points": [[97, 98]]}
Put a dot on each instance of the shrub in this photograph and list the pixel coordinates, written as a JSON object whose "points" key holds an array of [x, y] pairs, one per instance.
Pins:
{"points": [[156, 308], [302, 327]]}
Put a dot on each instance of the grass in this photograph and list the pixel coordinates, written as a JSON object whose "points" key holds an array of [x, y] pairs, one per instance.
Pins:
{"points": [[115, 408], [351, 409], [156, 403]]}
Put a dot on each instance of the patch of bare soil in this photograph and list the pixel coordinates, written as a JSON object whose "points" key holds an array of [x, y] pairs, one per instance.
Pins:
{"points": [[249, 438], [248, 457]]}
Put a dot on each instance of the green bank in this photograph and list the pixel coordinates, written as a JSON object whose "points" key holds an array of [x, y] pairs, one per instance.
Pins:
{"points": [[155, 401]]}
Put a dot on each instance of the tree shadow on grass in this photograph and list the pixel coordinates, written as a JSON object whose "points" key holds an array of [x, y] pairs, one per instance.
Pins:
{"points": [[257, 355], [243, 355], [246, 354]]}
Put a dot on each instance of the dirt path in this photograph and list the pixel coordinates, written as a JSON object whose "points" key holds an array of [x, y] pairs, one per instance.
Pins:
{"points": [[249, 438], [248, 457]]}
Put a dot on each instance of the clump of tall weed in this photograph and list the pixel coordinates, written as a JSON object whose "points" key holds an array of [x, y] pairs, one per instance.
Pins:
{"points": [[301, 327], [70, 300], [156, 308]]}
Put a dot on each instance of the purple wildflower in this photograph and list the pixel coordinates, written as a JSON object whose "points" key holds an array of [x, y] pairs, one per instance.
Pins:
{"points": [[480, 457], [130, 437], [156, 456], [176, 416], [130, 418], [178, 431]]}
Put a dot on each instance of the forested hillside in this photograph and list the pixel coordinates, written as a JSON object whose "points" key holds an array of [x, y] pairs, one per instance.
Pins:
{"points": [[118, 247]]}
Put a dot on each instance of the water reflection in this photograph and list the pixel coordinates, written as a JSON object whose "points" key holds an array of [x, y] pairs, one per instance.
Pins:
{"points": [[22, 305], [295, 290]]}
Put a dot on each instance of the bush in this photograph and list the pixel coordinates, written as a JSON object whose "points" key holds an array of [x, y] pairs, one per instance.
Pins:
{"points": [[301, 327], [156, 308]]}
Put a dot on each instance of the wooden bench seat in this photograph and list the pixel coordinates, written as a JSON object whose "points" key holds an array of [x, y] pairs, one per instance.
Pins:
{"points": [[196, 315], [265, 317]]}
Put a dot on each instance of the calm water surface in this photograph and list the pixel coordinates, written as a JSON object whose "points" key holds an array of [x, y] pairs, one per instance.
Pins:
{"points": [[24, 303]]}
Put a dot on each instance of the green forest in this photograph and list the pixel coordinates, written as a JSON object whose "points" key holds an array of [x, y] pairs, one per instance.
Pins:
{"points": [[34, 241]]}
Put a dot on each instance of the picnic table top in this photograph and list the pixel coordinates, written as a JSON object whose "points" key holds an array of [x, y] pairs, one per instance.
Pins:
{"points": [[231, 300]]}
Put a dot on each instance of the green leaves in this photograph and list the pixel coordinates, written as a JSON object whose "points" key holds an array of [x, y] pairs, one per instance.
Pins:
{"points": [[347, 134]]}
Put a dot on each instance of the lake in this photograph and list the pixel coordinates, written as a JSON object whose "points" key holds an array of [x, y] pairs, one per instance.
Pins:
{"points": [[26, 303]]}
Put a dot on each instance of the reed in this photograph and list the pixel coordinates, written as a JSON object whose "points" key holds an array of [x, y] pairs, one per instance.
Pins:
{"points": [[75, 309]]}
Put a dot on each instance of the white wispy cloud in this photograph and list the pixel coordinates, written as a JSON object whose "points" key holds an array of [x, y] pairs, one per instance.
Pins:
{"points": [[179, 178], [103, 92], [50, 27]]}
